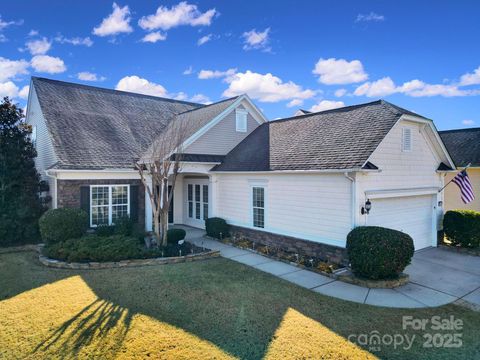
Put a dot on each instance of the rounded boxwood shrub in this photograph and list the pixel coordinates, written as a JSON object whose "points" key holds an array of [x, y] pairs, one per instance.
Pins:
{"points": [[175, 235], [378, 253], [216, 227], [462, 227], [62, 224], [104, 230], [124, 226]]}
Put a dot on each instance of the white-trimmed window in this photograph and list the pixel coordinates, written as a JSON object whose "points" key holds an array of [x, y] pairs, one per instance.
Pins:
{"points": [[406, 139], [108, 203], [258, 206], [190, 201], [241, 120]]}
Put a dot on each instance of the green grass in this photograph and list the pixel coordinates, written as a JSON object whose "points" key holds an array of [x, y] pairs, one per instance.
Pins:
{"points": [[208, 309]]}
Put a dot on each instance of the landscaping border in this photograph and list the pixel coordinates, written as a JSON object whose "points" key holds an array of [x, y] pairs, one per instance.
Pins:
{"points": [[461, 250], [349, 277], [127, 263]]}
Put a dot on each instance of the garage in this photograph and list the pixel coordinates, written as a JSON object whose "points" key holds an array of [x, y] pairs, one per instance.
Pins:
{"points": [[409, 214]]}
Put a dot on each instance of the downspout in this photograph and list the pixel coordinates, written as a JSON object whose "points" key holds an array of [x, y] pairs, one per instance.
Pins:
{"points": [[54, 177], [353, 198]]}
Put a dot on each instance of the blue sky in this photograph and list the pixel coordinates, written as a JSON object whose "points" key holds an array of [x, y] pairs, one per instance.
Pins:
{"points": [[285, 54]]}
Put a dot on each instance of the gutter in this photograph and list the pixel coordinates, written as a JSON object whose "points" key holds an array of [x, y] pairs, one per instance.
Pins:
{"points": [[327, 171], [54, 177]]}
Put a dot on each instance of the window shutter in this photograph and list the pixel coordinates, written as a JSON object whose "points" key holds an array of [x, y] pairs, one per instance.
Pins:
{"points": [[134, 202], [407, 139], [85, 199]]}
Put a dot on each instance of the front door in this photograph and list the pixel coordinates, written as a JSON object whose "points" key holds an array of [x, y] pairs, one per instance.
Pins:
{"points": [[197, 202]]}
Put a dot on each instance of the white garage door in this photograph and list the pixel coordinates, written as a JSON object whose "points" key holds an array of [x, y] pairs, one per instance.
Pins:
{"points": [[410, 214]]}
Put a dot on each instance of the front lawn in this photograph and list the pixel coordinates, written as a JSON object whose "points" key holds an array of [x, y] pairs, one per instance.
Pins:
{"points": [[209, 309]]}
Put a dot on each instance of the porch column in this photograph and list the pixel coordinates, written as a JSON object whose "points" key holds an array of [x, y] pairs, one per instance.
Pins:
{"points": [[148, 208], [214, 195]]}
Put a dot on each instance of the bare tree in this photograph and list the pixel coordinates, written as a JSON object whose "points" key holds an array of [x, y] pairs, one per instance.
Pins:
{"points": [[161, 163]]}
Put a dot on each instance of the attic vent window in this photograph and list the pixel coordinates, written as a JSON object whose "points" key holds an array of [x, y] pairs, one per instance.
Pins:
{"points": [[241, 120], [407, 139]]}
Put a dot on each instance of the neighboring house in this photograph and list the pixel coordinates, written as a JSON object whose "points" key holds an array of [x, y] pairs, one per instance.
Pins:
{"points": [[464, 147], [301, 183]]}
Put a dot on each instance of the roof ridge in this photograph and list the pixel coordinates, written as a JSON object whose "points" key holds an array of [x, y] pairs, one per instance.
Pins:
{"points": [[113, 91], [205, 106], [460, 130], [400, 109], [341, 109]]}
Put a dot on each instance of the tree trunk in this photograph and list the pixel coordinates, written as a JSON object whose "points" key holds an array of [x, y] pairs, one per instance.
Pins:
{"points": [[156, 221], [164, 223]]}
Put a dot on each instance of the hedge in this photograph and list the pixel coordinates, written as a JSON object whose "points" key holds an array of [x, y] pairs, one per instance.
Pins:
{"points": [[378, 253], [216, 227], [175, 235], [61, 224], [462, 227]]}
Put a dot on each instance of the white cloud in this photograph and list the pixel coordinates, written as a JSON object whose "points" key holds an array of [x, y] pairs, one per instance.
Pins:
{"points": [[414, 88], [471, 78], [88, 76], [188, 71], [254, 39], [204, 39], [215, 74], [74, 41], [181, 14], [265, 87], [327, 105], [33, 33], [142, 86], [39, 47], [8, 89], [115, 23], [153, 37], [200, 98], [48, 64], [4, 24], [11, 68], [339, 71], [340, 92], [370, 17], [468, 122], [24, 92], [295, 102]]}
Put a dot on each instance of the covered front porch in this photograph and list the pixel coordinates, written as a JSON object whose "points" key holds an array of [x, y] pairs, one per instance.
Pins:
{"points": [[193, 197]]}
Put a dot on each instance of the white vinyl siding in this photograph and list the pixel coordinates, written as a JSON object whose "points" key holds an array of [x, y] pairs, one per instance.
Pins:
{"points": [[108, 203], [307, 206], [222, 137]]}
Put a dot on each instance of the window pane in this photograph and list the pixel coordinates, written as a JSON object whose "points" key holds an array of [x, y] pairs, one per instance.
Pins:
{"points": [[205, 193], [197, 192], [100, 215], [99, 195], [197, 210], [119, 211], [119, 195], [205, 211], [258, 197], [190, 209], [258, 218], [190, 192]]}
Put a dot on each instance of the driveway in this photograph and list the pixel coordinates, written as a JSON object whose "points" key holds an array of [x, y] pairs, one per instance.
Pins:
{"points": [[437, 277]]}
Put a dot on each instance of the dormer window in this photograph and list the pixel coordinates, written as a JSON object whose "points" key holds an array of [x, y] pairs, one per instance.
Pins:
{"points": [[241, 120], [407, 140]]}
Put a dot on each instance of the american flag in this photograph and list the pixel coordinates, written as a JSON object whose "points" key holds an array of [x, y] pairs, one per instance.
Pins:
{"points": [[463, 182]]}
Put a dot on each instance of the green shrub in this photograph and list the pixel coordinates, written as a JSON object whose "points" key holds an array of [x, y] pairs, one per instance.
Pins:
{"points": [[124, 226], [175, 235], [62, 224], [462, 227], [379, 253], [216, 227], [104, 230]]}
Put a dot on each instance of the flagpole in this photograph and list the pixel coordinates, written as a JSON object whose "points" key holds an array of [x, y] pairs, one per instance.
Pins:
{"points": [[466, 167]]}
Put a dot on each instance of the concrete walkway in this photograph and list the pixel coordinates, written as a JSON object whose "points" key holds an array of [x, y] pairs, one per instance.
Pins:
{"points": [[437, 277]]}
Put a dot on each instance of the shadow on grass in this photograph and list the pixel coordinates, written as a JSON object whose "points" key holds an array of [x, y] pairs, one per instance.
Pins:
{"points": [[98, 323]]}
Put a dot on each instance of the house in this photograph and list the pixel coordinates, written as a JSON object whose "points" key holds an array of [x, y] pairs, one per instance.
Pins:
{"points": [[301, 183], [464, 147]]}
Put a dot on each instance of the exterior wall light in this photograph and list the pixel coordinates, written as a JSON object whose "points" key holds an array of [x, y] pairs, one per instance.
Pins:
{"points": [[366, 209]]}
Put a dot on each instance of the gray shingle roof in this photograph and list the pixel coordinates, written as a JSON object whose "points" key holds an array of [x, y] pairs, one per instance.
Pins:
{"points": [[463, 145], [342, 138], [96, 128]]}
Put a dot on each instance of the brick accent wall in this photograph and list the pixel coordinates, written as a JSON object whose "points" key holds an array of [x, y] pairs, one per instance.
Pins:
{"points": [[68, 193], [326, 252]]}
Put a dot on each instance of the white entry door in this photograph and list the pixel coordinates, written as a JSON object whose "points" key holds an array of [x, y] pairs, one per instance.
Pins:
{"points": [[196, 207], [412, 215]]}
